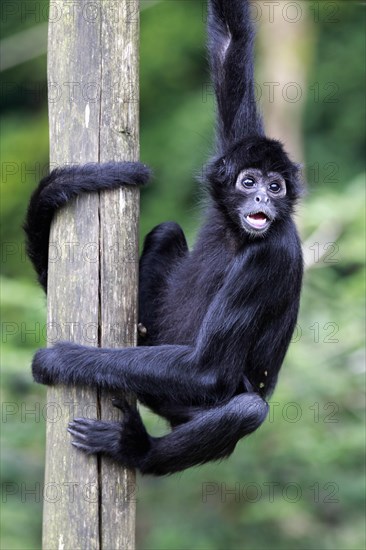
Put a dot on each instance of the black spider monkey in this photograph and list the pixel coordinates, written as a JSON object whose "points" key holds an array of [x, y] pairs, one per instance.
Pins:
{"points": [[219, 318]]}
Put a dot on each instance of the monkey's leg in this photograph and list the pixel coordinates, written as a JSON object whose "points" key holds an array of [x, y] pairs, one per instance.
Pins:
{"points": [[211, 434], [163, 247]]}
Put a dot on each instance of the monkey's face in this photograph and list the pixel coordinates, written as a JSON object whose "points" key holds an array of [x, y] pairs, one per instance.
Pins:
{"points": [[255, 185], [261, 197]]}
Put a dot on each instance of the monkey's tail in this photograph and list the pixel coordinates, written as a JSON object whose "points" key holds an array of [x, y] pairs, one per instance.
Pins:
{"points": [[62, 185]]}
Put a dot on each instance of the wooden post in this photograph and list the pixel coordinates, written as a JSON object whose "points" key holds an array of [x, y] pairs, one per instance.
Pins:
{"points": [[92, 281], [119, 218]]}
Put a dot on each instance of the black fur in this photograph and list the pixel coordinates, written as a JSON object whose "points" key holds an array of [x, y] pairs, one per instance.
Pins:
{"points": [[62, 185], [230, 42], [219, 319]]}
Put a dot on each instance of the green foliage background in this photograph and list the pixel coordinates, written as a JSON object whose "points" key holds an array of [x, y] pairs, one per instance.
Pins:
{"points": [[298, 483]]}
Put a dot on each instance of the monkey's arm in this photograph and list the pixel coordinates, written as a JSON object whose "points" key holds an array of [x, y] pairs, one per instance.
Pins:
{"points": [[230, 42], [249, 336], [62, 185]]}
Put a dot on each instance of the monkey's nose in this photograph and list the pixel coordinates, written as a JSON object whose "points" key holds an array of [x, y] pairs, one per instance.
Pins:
{"points": [[260, 198]]}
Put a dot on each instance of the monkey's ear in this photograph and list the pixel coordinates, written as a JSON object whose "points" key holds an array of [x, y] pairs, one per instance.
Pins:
{"points": [[217, 172], [297, 187]]}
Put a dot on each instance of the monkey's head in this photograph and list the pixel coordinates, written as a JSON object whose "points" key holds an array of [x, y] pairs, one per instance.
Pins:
{"points": [[255, 184]]}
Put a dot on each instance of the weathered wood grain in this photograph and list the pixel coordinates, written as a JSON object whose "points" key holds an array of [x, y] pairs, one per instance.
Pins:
{"points": [[119, 218], [92, 295]]}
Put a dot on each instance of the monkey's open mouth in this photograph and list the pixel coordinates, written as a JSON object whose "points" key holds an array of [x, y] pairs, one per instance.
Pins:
{"points": [[259, 220]]}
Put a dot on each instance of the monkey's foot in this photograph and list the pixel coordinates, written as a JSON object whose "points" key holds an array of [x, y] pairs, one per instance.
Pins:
{"points": [[96, 436], [126, 442]]}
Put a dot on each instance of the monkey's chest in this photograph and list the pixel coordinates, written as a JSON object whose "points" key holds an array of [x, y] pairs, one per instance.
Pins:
{"points": [[184, 307]]}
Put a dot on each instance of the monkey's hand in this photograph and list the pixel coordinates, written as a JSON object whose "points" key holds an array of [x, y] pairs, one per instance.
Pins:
{"points": [[47, 365], [63, 364]]}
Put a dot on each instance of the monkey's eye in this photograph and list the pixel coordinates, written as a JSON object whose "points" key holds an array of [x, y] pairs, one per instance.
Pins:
{"points": [[274, 187], [249, 183]]}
